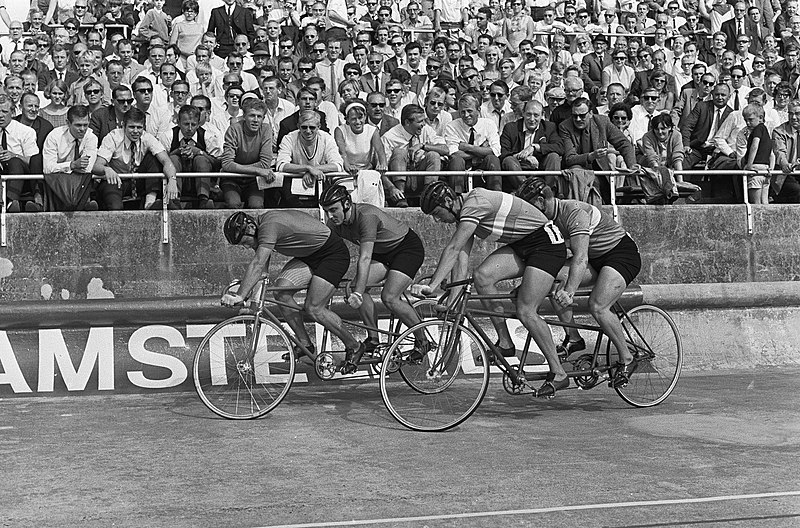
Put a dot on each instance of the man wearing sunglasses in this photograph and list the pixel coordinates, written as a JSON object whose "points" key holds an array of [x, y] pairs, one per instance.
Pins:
{"points": [[376, 114], [690, 97], [159, 120], [111, 117], [587, 138]]}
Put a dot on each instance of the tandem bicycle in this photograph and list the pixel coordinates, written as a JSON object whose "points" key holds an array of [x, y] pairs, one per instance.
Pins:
{"points": [[244, 366], [451, 381]]}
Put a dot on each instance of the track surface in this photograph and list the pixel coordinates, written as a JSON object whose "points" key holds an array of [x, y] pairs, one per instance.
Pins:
{"points": [[721, 451]]}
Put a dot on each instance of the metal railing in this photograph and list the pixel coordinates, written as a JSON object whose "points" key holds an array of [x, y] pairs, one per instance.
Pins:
{"points": [[468, 174]]}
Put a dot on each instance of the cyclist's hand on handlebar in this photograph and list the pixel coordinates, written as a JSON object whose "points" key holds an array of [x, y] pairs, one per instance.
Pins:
{"points": [[231, 299], [355, 299], [563, 297], [421, 290]]}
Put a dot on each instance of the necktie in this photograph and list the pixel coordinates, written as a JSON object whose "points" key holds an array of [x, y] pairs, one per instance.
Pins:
{"points": [[4, 142], [717, 123], [741, 28], [334, 86], [77, 150], [649, 120], [736, 99], [274, 50], [471, 139]]}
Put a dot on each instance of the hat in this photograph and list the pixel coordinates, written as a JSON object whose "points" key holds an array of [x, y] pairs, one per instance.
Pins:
{"points": [[260, 49], [542, 49], [600, 38], [556, 92], [501, 40]]}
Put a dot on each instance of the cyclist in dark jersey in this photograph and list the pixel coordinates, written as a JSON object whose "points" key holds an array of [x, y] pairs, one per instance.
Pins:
{"points": [[388, 249], [535, 251], [603, 254], [319, 261]]}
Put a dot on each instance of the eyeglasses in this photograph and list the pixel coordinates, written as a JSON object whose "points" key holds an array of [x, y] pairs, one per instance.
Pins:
{"points": [[287, 46], [398, 43], [319, 50], [436, 104], [125, 101], [234, 95], [659, 80], [620, 58], [756, 63], [308, 127], [496, 94], [234, 64], [707, 83], [80, 7], [242, 44], [304, 70], [392, 90], [580, 116], [180, 92], [144, 90], [619, 118], [432, 67], [650, 97], [377, 105], [70, 28], [91, 92], [736, 76], [583, 16], [43, 45]]}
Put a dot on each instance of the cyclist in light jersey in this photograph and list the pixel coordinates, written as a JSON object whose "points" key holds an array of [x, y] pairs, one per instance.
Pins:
{"points": [[389, 250], [603, 254], [319, 261], [534, 250]]}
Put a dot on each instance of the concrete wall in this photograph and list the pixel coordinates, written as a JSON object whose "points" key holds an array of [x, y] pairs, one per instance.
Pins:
{"points": [[78, 256]]}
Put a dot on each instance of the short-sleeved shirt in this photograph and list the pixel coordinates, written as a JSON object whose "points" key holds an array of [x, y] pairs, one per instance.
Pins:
{"points": [[764, 145], [371, 224], [122, 155], [291, 233], [574, 218], [500, 217]]}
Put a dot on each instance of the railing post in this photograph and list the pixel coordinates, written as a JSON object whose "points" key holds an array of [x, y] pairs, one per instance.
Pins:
{"points": [[3, 212], [747, 207], [612, 179], [164, 212]]}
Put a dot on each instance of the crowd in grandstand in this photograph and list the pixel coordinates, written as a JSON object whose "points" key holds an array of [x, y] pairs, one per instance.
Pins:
{"points": [[282, 94]]}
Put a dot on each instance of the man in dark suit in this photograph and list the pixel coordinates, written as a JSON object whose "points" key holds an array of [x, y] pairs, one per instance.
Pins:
{"points": [[61, 70], [593, 64], [530, 143], [736, 26], [230, 20], [111, 117], [703, 123], [375, 78], [689, 99], [306, 100], [421, 84], [586, 138], [376, 103], [641, 81]]}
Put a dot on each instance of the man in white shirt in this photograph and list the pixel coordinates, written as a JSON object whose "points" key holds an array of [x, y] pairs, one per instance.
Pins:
{"points": [[412, 146], [235, 64], [497, 106], [68, 156], [277, 108], [413, 62], [17, 147], [739, 91], [190, 152], [435, 115], [643, 113], [159, 120], [473, 142], [331, 69], [12, 42]]}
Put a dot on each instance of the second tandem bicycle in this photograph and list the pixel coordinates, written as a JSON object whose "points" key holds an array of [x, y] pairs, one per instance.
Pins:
{"points": [[449, 384]]}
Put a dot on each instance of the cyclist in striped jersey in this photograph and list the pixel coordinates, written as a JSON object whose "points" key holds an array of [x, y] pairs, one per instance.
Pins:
{"points": [[533, 249], [603, 254]]}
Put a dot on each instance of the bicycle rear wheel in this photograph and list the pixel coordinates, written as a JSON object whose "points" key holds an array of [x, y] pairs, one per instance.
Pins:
{"points": [[234, 382], [438, 393], [655, 343]]}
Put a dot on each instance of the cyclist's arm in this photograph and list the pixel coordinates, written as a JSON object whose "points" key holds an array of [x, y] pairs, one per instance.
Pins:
{"points": [[364, 259], [461, 242], [254, 270], [579, 245]]}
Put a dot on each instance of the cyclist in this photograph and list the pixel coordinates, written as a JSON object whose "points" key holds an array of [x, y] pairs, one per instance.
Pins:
{"points": [[535, 251], [603, 254], [319, 260], [388, 249]]}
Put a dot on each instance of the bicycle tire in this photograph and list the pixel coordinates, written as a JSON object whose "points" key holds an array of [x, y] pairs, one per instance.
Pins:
{"points": [[655, 342], [229, 383], [425, 308], [437, 394]]}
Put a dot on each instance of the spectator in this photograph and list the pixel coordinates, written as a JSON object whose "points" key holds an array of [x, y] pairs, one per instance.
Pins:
{"points": [[317, 86], [111, 117], [247, 150], [307, 100], [786, 149], [573, 89], [530, 144], [615, 93], [689, 99], [411, 146], [30, 117], [359, 143], [498, 105], [702, 123], [376, 114], [17, 147], [189, 152], [308, 151], [594, 63], [233, 104], [435, 115], [643, 115], [348, 91], [93, 94], [618, 72], [229, 20], [781, 95], [519, 96], [235, 63], [738, 90], [56, 111], [277, 108], [187, 33], [662, 145], [758, 154], [473, 142], [159, 122], [69, 154], [587, 138]]}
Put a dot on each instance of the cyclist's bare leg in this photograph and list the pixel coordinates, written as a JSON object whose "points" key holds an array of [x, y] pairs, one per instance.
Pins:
{"points": [[369, 315], [607, 290], [392, 297], [319, 293], [500, 265], [292, 313], [535, 286], [565, 314]]}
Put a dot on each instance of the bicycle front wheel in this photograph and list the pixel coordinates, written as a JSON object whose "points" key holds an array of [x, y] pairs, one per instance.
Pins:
{"points": [[655, 343], [445, 388], [239, 375]]}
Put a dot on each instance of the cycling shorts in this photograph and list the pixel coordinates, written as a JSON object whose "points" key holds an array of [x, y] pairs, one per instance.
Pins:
{"points": [[406, 258], [624, 258], [543, 249]]}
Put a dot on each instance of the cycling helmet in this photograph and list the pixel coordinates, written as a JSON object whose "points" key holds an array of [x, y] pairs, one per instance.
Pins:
{"points": [[237, 226], [335, 193], [531, 189], [433, 195]]}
